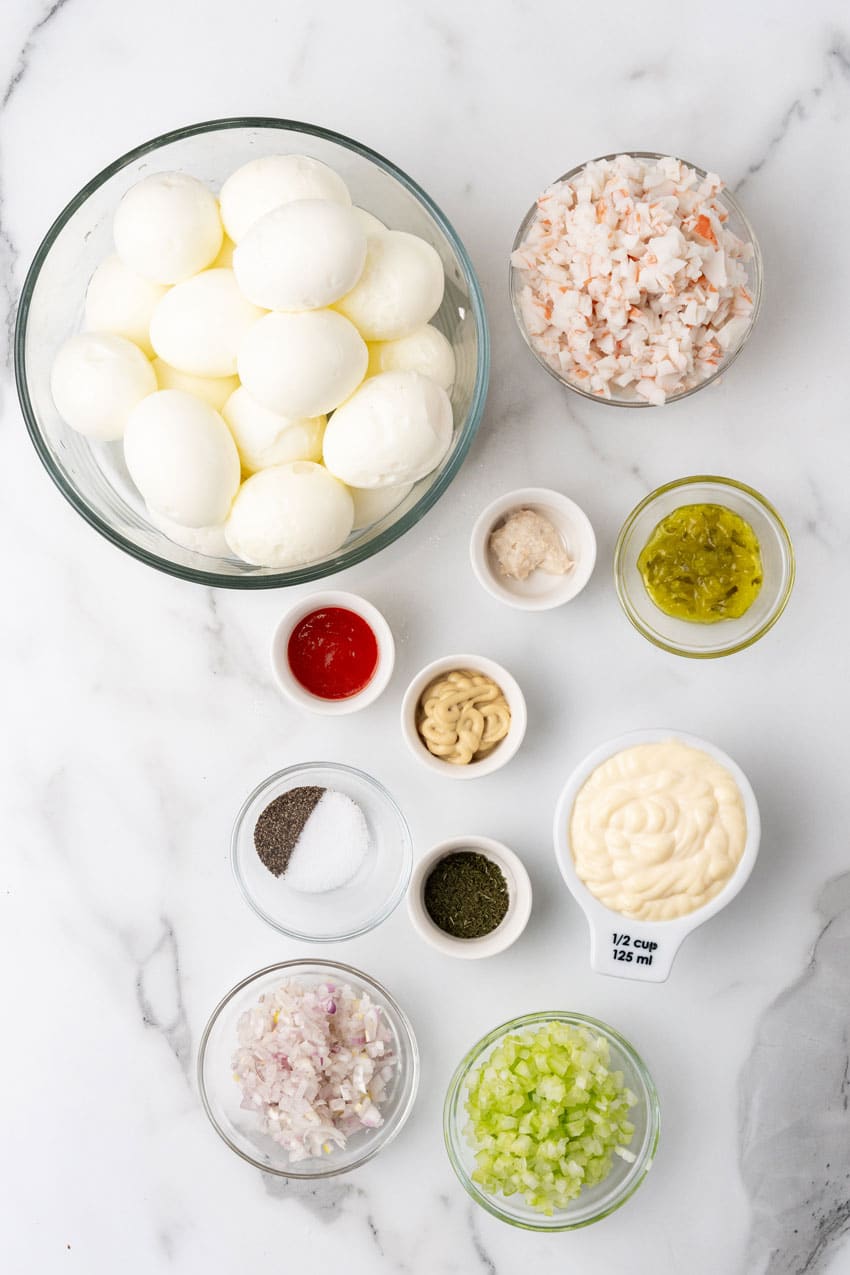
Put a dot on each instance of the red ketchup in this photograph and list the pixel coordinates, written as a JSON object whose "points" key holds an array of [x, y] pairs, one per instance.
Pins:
{"points": [[333, 653]]}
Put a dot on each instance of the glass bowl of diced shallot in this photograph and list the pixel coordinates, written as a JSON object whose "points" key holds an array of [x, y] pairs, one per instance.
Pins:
{"points": [[636, 279], [307, 1069]]}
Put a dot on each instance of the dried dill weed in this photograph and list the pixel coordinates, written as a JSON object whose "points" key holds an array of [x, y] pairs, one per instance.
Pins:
{"points": [[466, 895]]}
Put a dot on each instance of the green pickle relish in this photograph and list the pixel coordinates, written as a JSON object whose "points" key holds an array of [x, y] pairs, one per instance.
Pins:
{"points": [[702, 563]]}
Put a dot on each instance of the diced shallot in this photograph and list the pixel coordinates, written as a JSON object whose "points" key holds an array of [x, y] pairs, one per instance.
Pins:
{"points": [[314, 1063]]}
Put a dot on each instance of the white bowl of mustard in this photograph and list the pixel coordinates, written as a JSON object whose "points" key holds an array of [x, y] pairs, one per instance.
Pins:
{"points": [[655, 832], [495, 757]]}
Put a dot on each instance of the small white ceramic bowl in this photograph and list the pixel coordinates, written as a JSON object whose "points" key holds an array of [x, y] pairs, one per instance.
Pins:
{"points": [[540, 592], [289, 684], [514, 920], [502, 753], [652, 944]]}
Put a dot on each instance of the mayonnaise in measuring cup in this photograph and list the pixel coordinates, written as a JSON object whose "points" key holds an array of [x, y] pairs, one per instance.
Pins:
{"points": [[657, 830]]}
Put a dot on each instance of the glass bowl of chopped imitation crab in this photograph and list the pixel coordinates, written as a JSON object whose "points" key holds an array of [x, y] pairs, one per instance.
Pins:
{"points": [[551, 1121], [308, 1069], [636, 279]]}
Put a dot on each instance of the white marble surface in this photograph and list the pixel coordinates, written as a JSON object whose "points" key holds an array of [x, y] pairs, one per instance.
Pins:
{"points": [[137, 710]]}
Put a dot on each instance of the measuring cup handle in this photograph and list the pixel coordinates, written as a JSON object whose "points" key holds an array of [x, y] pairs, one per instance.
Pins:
{"points": [[633, 949]]}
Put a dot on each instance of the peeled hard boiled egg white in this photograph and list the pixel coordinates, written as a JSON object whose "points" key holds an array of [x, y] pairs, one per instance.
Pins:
{"points": [[272, 180], [288, 515], [224, 260], [209, 541], [302, 364], [215, 390], [400, 289], [426, 350], [97, 380], [264, 438], [370, 504], [198, 325], [394, 430], [369, 222], [302, 256], [182, 458], [119, 300], [167, 227]]}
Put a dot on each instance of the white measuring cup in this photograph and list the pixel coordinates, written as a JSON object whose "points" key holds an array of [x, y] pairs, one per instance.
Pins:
{"points": [[645, 950]]}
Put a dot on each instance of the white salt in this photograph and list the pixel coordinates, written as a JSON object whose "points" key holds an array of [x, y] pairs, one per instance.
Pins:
{"points": [[332, 847]]}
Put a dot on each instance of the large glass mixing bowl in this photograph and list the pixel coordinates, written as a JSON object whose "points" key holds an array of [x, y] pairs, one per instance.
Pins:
{"points": [[93, 477]]}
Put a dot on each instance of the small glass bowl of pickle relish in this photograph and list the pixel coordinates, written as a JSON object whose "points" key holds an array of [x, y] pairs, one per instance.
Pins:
{"points": [[704, 566]]}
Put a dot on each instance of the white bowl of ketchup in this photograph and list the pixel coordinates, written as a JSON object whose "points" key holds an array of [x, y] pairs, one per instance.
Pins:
{"points": [[332, 653]]}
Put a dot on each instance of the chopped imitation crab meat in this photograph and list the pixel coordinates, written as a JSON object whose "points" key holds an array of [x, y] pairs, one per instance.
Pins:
{"points": [[631, 283]]}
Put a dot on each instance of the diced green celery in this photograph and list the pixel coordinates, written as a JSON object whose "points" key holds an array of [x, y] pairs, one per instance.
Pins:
{"points": [[559, 1061], [552, 1089], [545, 1113]]}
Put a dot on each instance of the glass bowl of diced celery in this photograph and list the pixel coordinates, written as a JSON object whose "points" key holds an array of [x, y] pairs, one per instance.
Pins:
{"points": [[551, 1121]]}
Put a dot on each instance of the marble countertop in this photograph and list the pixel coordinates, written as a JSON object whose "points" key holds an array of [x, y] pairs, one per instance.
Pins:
{"points": [[138, 710]]}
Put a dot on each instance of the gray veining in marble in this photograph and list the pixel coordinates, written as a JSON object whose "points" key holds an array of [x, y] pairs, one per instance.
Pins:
{"points": [[795, 1109], [160, 995], [836, 71], [27, 50], [325, 1200]]}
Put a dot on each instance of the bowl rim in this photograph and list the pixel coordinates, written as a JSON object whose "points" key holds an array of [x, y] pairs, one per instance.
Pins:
{"points": [[395, 896], [564, 588], [757, 283], [348, 557], [453, 1098], [504, 752], [401, 1021], [509, 929], [773, 516], [288, 684]]}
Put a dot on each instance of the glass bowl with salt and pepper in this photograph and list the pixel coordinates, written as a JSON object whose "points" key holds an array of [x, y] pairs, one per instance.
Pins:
{"points": [[321, 851]]}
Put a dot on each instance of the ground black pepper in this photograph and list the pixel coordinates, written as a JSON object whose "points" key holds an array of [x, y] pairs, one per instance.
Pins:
{"points": [[466, 895], [279, 826]]}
